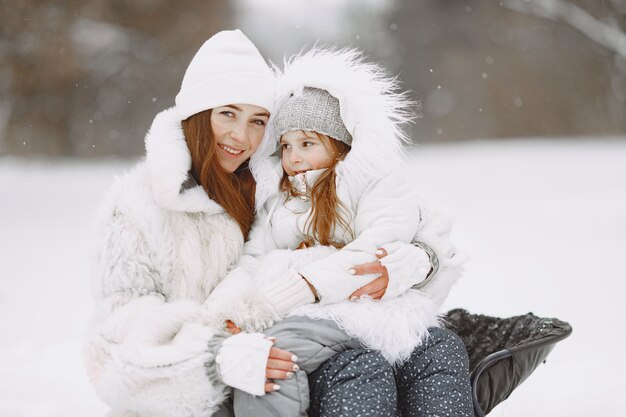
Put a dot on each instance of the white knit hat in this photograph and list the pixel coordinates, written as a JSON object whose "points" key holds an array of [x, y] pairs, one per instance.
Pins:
{"points": [[227, 69], [314, 110]]}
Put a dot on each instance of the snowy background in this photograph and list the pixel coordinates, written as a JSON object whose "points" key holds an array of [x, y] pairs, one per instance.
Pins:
{"points": [[85, 79], [544, 222]]}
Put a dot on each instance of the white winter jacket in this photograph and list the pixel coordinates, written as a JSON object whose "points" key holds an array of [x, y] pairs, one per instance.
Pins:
{"points": [[386, 211], [381, 208], [162, 246]]}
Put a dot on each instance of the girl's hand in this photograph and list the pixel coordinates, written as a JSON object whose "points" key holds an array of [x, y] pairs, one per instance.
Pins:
{"points": [[232, 327], [375, 289], [280, 365]]}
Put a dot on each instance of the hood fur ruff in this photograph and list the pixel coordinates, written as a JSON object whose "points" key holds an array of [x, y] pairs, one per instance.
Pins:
{"points": [[372, 109], [169, 162]]}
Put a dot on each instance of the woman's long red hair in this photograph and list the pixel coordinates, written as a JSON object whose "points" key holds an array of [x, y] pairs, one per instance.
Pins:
{"points": [[233, 191]]}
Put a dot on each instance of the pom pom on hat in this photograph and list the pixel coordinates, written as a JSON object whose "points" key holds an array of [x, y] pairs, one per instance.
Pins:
{"points": [[227, 69]]}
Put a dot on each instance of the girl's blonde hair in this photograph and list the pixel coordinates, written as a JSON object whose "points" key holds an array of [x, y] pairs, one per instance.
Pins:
{"points": [[326, 207]]}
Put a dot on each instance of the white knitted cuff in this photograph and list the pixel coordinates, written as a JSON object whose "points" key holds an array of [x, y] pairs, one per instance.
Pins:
{"points": [[288, 292]]}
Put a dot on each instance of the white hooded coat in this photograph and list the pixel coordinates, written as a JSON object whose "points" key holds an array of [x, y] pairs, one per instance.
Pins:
{"points": [[381, 207], [162, 246]]}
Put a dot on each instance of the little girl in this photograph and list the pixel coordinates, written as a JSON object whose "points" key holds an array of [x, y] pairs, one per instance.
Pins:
{"points": [[330, 196]]}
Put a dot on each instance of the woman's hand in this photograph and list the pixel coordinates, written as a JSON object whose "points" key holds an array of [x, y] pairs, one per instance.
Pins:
{"points": [[280, 365], [250, 362], [375, 289]]}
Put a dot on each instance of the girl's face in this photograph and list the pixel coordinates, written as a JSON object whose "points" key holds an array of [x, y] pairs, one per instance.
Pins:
{"points": [[304, 151], [238, 130]]}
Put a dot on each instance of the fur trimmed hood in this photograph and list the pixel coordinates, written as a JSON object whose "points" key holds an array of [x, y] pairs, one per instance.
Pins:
{"points": [[371, 106], [169, 161]]}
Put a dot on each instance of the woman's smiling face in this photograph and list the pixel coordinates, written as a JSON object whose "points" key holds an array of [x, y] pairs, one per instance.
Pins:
{"points": [[238, 130], [304, 151]]}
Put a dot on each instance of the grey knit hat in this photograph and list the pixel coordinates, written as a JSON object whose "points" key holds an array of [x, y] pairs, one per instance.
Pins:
{"points": [[315, 110]]}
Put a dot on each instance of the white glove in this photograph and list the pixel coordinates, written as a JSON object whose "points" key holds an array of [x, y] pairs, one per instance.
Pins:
{"points": [[406, 265], [242, 361]]}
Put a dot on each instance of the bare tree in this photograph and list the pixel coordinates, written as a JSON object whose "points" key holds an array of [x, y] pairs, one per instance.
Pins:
{"points": [[604, 34], [85, 78], [608, 34]]}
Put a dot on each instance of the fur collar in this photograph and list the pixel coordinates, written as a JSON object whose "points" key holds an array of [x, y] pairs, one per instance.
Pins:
{"points": [[372, 110], [303, 183], [169, 161]]}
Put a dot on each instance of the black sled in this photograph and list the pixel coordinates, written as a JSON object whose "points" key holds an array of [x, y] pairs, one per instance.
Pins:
{"points": [[503, 352]]}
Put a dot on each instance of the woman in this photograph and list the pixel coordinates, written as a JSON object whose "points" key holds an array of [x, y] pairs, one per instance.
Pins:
{"points": [[168, 232]]}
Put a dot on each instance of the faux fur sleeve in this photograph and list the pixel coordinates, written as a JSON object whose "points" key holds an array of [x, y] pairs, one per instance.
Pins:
{"points": [[236, 297], [126, 286], [435, 230], [143, 352]]}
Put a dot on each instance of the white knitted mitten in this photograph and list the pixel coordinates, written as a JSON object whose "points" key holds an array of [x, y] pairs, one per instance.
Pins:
{"points": [[406, 265], [242, 361], [287, 292]]}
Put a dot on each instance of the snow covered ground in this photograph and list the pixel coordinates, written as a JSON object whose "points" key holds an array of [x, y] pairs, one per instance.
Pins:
{"points": [[544, 223]]}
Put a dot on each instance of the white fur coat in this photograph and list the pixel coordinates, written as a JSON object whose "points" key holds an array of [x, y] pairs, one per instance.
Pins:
{"points": [[161, 248]]}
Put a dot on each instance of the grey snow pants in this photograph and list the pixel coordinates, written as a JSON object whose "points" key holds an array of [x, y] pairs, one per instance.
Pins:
{"points": [[344, 379]]}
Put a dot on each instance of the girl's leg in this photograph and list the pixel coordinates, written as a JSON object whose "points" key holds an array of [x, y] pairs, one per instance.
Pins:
{"points": [[435, 379], [358, 382], [313, 342]]}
